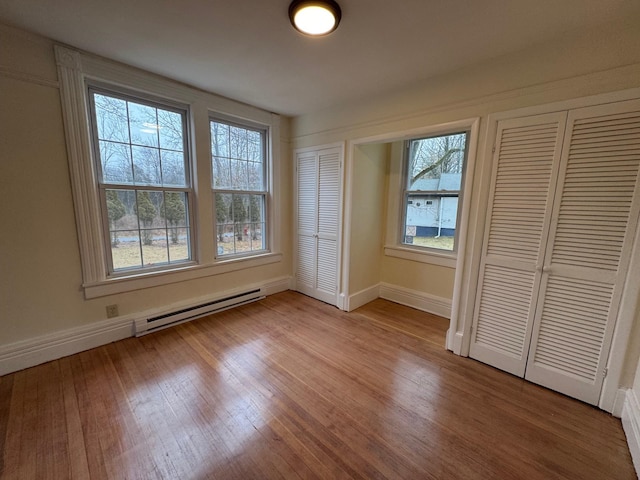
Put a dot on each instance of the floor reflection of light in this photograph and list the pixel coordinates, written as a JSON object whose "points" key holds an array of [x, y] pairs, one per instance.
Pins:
{"points": [[191, 406], [415, 406]]}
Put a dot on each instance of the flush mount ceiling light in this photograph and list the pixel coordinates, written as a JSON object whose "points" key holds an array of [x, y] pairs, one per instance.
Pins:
{"points": [[315, 18]]}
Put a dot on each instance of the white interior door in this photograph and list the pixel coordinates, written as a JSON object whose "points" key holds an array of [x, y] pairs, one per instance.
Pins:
{"points": [[588, 250], [526, 157], [318, 222]]}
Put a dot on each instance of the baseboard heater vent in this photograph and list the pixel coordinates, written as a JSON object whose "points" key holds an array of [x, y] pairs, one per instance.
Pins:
{"points": [[153, 324]]}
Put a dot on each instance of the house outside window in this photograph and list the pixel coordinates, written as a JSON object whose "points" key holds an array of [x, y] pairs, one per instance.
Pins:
{"points": [[144, 180], [434, 170], [238, 159]]}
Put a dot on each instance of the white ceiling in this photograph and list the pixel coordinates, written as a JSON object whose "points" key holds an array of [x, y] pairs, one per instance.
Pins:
{"points": [[248, 51]]}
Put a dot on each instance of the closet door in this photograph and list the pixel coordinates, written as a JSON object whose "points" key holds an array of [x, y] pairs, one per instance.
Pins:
{"points": [[588, 250], [318, 215], [526, 158]]}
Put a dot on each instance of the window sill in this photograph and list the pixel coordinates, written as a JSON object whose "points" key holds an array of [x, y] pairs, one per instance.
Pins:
{"points": [[422, 256], [130, 283]]}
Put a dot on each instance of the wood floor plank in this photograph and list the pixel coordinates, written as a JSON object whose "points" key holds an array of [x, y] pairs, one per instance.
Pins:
{"points": [[290, 387]]}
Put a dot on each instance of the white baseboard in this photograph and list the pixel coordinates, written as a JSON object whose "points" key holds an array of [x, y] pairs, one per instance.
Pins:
{"points": [[362, 298], [419, 300], [454, 342], [631, 426], [618, 403], [28, 353], [277, 285]]}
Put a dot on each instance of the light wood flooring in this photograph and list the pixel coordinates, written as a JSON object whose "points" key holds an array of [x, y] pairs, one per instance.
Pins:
{"points": [[291, 388]]}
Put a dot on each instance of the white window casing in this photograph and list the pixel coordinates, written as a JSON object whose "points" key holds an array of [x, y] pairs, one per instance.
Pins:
{"points": [[76, 71]]}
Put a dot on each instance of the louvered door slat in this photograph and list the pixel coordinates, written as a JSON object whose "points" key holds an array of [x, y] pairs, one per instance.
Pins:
{"points": [[595, 212], [328, 193], [307, 193]]}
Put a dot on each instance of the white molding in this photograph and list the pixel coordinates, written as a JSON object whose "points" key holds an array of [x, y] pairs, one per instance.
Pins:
{"points": [[418, 300], [631, 426], [81, 169], [27, 77], [116, 285], [362, 297], [618, 404], [626, 72], [623, 328], [454, 342], [421, 256], [28, 353], [277, 285], [465, 218]]}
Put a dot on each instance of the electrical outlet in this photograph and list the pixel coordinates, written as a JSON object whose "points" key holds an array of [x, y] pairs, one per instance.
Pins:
{"points": [[112, 311]]}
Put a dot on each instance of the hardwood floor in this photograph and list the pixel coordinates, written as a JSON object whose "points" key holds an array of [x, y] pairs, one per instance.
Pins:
{"points": [[293, 388]]}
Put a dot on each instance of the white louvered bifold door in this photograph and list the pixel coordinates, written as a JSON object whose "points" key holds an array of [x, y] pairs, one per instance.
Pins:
{"points": [[307, 220], [526, 157], [318, 216], [328, 210], [591, 233]]}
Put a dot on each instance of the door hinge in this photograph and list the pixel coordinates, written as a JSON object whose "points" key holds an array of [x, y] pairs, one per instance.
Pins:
{"points": [[604, 372], [493, 150]]}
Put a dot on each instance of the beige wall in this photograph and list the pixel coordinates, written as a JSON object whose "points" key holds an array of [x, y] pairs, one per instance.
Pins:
{"points": [[40, 279], [370, 164]]}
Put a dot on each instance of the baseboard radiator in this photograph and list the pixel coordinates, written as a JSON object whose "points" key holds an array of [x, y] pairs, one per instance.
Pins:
{"points": [[159, 322]]}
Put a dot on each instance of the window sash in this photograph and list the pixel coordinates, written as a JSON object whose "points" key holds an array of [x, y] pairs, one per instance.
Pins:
{"points": [[407, 192], [137, 186], [243, 228]]}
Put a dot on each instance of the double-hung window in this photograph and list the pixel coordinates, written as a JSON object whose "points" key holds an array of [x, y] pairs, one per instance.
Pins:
{"points": [[144, 180], [432, 189], [238, 159], [138, 149]]}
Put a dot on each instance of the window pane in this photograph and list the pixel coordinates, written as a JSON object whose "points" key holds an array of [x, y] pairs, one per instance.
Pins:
{"points": [[219, 139], [436, 163], [143, 124], [111, 118], [179, 245], [173, 209], [237, 142], [239, 177], [221, 173], [256, 176], [431, 221], [173, 168], [116, 162], [254, 146], [126, 252], [170, 129], [146, 166], [154, 251]]}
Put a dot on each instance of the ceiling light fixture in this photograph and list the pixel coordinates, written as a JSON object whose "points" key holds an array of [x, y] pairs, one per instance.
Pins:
{"points": [[315, 18]]}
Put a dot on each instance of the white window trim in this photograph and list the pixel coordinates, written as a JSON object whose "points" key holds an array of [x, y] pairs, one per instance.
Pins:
{"points": [[393, 245], [75, 69]]}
